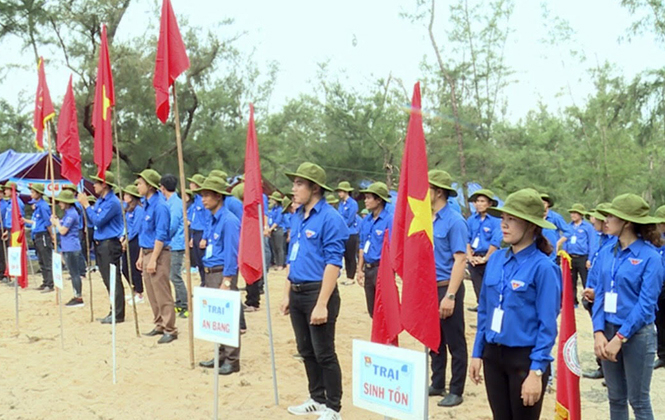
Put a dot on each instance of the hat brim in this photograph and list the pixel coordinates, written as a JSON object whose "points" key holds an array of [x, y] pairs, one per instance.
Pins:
{"points": [[152, 184], [131, 193], [65, 200], [451, 190], [646, 220], [292, 176], [198, 190], [193, 181], [381, 196], [41, 191], [95, 178], [583, 213], [493, 201], [541, 222], [595, 214], [344, 189]]}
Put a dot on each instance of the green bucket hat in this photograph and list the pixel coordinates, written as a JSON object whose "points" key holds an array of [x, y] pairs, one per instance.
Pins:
{"points": [[38, 187], [239, 191], [92, 199], [578, 208], [487, 193], [331, 199], [344, 186], [9, 185], [311, 172], [276, 196], [546, 197], [631, 208], [364, 212], [286, 203], [189, 192], [70, 187], [595, 212], [66, 196], [660, 214], [524, 204], [132, 190], [218, 174], [214, 184], [442, 179], [380, 189], [151, 176], [197, 179], [110, 178]]}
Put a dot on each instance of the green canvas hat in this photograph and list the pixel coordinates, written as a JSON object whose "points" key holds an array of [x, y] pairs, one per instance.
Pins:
{"points": [[546, 197], [364, 211], [344, 186], [70, 187], [239, 191], [487, 193], [92, 199], [276, 196], [218, 174], [151, 176], [9, 185], [660, 214], [595, 212], [189, 192], [132, 190], [331, 199], [66, 196], [214, 184], [38, 187], [524, 204], [577, 208], [380, 189], [198, 179], [631, 208], [286, 203], [311, 172], [110, 178], [442, 179]]}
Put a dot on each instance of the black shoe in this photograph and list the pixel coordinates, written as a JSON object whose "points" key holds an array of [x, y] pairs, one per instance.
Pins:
{"points": [[659, 363], [450, 400], [47, 289], [208, 364], [595, 374], [153, 333], [109, 320], [604, 383], [75, 302], [436, 391], [473, 309], [4, 280], [41, 287], [227, 369], [167, 338]]}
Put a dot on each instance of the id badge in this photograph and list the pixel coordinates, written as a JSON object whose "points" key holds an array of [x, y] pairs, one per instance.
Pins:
{"points": [[611, 302], [475, 243], [294, 251], [209, 251], [573, 240], [497, 320], [366, 247]]}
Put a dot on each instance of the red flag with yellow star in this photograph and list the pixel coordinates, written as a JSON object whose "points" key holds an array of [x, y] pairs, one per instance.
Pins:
{"points": [[101, 112], [44, 110], [18, 239], [412, 238]]}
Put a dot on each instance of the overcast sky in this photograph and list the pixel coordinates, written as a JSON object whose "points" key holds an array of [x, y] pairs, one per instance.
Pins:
{"points": [[298, 34]]}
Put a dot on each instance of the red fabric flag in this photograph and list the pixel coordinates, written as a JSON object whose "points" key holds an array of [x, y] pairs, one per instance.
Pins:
{"points": [[250, 259], [412, 238], [170, 62], [568, 405], [18, 240], [386, 324], [68, 138], [101, 112], [44, 110]]}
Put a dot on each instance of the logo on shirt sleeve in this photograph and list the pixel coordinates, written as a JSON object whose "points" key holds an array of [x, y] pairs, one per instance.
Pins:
{"points": [[309, 233], [635, 261], [516, 284]]}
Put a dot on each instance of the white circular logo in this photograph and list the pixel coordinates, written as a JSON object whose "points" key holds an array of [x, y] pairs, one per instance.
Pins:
{"points": [[570, 355]]}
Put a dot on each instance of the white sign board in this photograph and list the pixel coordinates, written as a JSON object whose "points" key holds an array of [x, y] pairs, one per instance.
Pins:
{"points": [[217, 315], [57, 270], [14, 257], [112, 274], [388, 380]]}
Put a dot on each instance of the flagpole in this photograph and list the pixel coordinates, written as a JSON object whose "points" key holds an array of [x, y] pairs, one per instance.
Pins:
{"points": [[426, 407], [16, 297], [89, 272], [188, 270], [124, 221], [268, 316]]}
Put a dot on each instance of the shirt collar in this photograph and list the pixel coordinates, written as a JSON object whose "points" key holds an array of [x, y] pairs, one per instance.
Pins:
{"points": [[522, 255], [316, 209], [441, 213], [218, 215]]}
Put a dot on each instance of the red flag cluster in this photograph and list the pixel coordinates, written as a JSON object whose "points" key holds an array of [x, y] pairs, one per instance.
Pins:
{"points": [[68, 138], [101, 112], [44, 110], [17, 240]]}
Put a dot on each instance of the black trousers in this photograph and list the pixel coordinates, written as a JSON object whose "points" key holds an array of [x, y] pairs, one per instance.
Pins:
{"points": [[505, 370], [316, 345], [109, 252], [83, 255], [660, 325], [196, 256], [453, 340], [3, 254], [351, 256], [277, 240], [578, 267], [477, 272], [370, 287], [44, 249], [136, 278]]}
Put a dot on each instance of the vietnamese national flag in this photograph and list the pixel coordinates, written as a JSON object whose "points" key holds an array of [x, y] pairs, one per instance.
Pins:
{"points": [[101, 112], [412, 238], [386, 324], [250, 258], [568, 405], [170, 62], [18, 240], [68, 138], [44, 110]]}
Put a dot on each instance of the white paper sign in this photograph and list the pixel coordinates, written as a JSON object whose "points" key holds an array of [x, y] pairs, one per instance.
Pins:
{"points": [[14, 257], [112, 274], [389, 380], [57, 270], [217, 315]]}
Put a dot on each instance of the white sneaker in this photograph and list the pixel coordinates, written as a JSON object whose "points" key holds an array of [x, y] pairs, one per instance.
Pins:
{"points": [[137, 299], [308, 407], [330, 414]]}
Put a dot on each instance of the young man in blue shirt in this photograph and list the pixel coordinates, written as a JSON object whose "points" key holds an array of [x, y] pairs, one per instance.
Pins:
{"points": [[275, 231], [134, 216], [155, 257], [311, 297], [581, 245], [168, 185], [199, 221], [41, 235], [68, 228], [348, 208]]}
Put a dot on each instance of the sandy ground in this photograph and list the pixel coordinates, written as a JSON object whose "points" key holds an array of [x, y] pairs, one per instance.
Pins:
{"points": [[40, 380]]}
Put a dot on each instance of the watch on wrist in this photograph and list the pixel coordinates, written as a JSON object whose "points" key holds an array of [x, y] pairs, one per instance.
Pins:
{"points": [[451, 296], [227, 283], [539, 373], [622, 338]]}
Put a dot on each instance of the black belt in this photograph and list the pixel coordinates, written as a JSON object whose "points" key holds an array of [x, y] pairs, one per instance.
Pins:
{"points": [[306, 287], [166, 248], [442, 283], [212, 270], [372, 265], [578, 256], [41, 233], [106, 240]]}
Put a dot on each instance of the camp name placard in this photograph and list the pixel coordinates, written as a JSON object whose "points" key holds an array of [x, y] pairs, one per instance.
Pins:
{"points": [[389, 380], [217, 315]]}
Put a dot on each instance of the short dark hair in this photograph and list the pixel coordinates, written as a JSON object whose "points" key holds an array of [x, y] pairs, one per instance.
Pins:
{"points": [[170, 182]]}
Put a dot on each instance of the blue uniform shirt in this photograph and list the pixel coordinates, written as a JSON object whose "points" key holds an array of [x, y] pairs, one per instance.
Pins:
{"points": [[234, 206], [372, 232], [4, 203], [134, 219], [275, 215], [484, 233], [80, 211], [156, 223], [557, 220], [69, 242], [106, 217], [635, 274], [41, 217], [450, 237], [286, 221], [223, 241], [349, 209], [7, 221], [315, 242], [199, 217], [582, 239], [552, 237], [177, 225], [605, 242], [527, 287]]}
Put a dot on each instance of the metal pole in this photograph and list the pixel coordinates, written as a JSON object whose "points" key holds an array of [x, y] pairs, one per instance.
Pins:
{"points": [[215, 410], [426, 415], [89, 273], [16, 299]]}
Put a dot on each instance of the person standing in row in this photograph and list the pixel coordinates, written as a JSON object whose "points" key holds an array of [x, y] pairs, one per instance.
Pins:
{"points": [[660, 313], [484, 238], [275, 230], [70, 245], [200, 217], [517, 314], [580, 245], [155, 257], [372, 231], [134, 215], [106, 219], [450, 243], [287, 211], [168, 185], [82, 226], [348, 208], [5, 204], [311, 297], [624, 309], [41, 235]]}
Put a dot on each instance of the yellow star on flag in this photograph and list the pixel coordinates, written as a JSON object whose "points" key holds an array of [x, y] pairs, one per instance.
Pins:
{"points": [[422, 216], [107, 103]]}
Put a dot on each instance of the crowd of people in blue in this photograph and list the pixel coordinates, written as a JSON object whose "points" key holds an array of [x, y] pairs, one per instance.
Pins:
{"points": [[317, 234]]}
